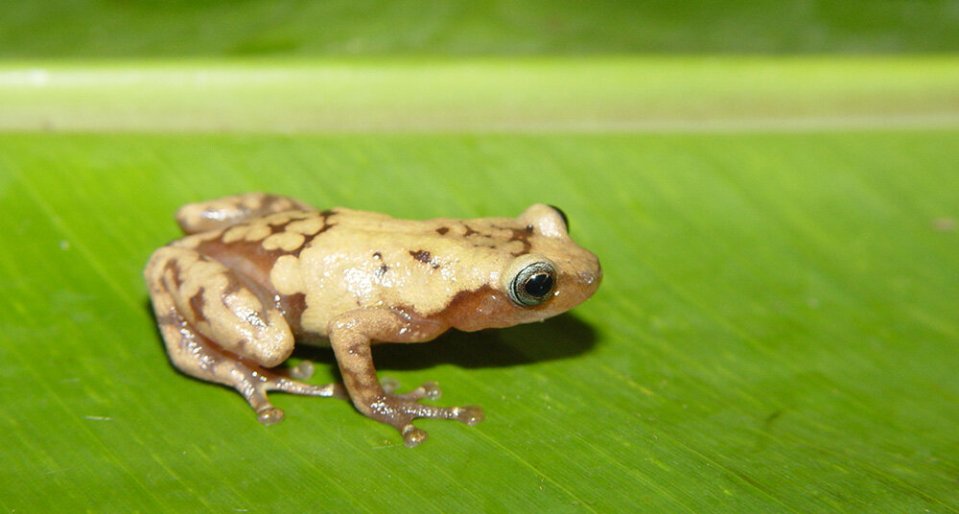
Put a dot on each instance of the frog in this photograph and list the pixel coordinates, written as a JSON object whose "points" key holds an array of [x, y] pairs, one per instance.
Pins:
{"points": [[255, 274]]}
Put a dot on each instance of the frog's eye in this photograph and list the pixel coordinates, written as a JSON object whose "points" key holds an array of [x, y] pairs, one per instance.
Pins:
{"points": [[533, 284]]}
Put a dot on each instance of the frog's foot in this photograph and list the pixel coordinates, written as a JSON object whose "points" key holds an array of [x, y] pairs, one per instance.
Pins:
{"points": [[351, 336], [399, 411], [197, 356], [255, 382], [223, 332]]}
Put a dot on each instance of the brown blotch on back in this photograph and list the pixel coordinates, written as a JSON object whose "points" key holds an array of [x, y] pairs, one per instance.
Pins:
{"points": [[442, 230], [280, 227], [426, 258], [522, 235], [326, 215], [254, 252], [421, 255], [245, 258], [383, 267]]}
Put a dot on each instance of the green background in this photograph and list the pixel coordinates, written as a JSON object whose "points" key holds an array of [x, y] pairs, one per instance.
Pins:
{"points": [[177, 28], [772, 190]]}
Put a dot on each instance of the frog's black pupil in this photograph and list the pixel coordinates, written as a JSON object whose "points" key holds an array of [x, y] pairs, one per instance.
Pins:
{"points": [[539, 285]]}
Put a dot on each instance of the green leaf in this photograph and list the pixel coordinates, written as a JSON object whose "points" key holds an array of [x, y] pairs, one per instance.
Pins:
{"points": [[776, 330], [530, 95]]}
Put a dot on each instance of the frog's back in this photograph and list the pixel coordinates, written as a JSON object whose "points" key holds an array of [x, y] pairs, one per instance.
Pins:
{"points": [[368, 259]]}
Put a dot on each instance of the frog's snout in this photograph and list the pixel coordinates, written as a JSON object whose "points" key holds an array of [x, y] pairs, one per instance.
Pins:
{"points": [[588, 281], [593, 276]]}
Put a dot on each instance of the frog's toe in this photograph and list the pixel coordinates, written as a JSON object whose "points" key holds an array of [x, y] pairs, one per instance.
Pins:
{"points": [[269, 415], [429, 390], [267, 380], [292, 386], [413, 436], [470, 415], [389, 385], [302, 371]]}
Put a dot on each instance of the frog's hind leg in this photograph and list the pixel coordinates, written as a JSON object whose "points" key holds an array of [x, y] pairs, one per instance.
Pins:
{"points": [[189, 337], [224, 212], [197, 356]]}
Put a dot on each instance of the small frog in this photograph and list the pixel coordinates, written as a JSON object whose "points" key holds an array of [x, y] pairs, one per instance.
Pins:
{"points": [[257, 272]]}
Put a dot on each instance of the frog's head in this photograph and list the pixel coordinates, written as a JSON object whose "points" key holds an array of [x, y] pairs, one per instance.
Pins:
{"points": [[551, 275]]}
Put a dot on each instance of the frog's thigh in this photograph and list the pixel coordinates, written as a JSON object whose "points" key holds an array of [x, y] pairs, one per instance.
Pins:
{"points": [[213, 300], [199, 357], [224, 212], [196, 355]]}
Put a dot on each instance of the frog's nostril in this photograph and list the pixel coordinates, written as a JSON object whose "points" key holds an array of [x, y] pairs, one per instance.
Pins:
{"points": [[588, 278], [591, 278]]}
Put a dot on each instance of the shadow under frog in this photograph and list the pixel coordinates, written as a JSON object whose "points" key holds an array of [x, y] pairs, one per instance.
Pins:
{"points": [[256, 273], [562, 337]]}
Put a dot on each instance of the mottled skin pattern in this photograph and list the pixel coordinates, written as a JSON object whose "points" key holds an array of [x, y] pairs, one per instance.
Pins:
{"points": [[257, 272]]}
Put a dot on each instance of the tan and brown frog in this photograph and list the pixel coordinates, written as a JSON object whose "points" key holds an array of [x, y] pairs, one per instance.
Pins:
{"points": [[256, 272]]}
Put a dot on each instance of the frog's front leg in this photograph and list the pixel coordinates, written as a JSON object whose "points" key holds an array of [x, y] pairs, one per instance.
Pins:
{"points": [[351, 335], [219, 330]]}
